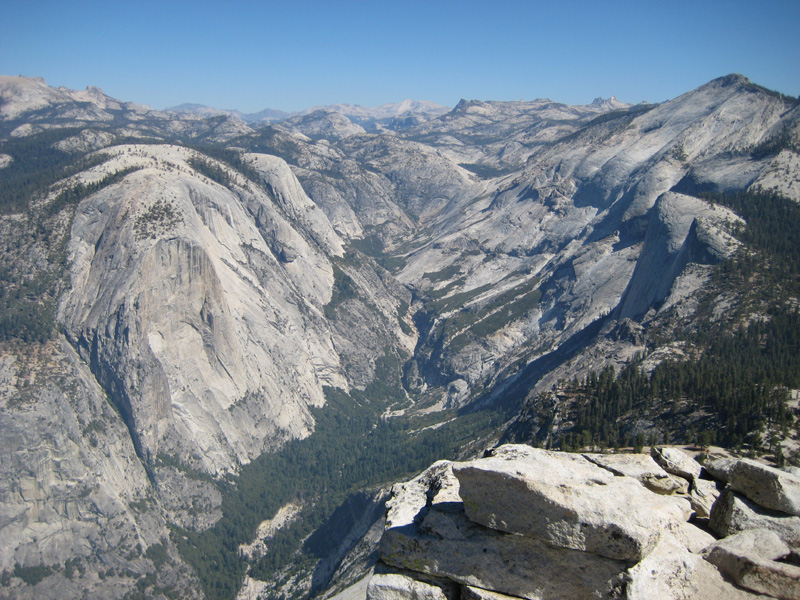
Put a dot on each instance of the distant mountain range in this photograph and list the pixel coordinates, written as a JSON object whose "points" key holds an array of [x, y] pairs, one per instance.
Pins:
{"points": [[354, 112], [267, 115]]}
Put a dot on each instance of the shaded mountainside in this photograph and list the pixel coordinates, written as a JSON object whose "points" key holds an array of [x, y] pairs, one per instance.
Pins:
{"points": [[214, 330]]}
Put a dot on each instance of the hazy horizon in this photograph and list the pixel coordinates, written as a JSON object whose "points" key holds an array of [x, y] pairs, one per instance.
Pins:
{"points": [[252, 56]]}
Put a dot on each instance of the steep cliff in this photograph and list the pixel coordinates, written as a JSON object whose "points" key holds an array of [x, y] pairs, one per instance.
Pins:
{"points": [[198, 306]]}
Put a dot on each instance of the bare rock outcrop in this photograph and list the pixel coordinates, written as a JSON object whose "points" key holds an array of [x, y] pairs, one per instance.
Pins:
{"points": [[769, 487], [387, 585], [534, 524], [733, 513], [702, 495], [642, 468], [573, 502], [751, 559], [429, 532], [676, 462], [676, 570]]}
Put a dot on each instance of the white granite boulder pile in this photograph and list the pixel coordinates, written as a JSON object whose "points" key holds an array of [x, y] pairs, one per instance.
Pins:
{"points": [[572, 502], [758, 518], [534, 524], [751, 558], [771, 488]]}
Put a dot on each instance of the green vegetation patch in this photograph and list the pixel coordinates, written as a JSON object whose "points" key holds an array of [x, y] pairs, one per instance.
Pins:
{"points": [[372, 246], [740, 380], [160, 217], [77, 192], [443, 292], [443, 275], [783, 140], [170, 460], [32, 575], [158, 554], [494, 315], [268, 140], [486, 171], [228, 156], [444, 304], [344, 288], [37, 165], [28, 304], [213, 171]]}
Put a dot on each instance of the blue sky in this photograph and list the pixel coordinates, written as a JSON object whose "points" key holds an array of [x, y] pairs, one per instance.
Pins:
{"points": [[294, 55]]}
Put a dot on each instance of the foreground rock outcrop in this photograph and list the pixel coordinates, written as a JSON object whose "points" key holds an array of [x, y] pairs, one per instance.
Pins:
{"points": [[569, 497], [529, 523]]}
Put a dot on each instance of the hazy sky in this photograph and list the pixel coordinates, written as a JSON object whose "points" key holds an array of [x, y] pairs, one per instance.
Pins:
{"points": [[292, 55]]}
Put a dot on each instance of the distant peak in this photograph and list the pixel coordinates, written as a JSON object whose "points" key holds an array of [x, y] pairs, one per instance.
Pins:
{"points": [[736, 83], [21, 78], [732, 79], [464, 104], [608, 103], [185, 107]]}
